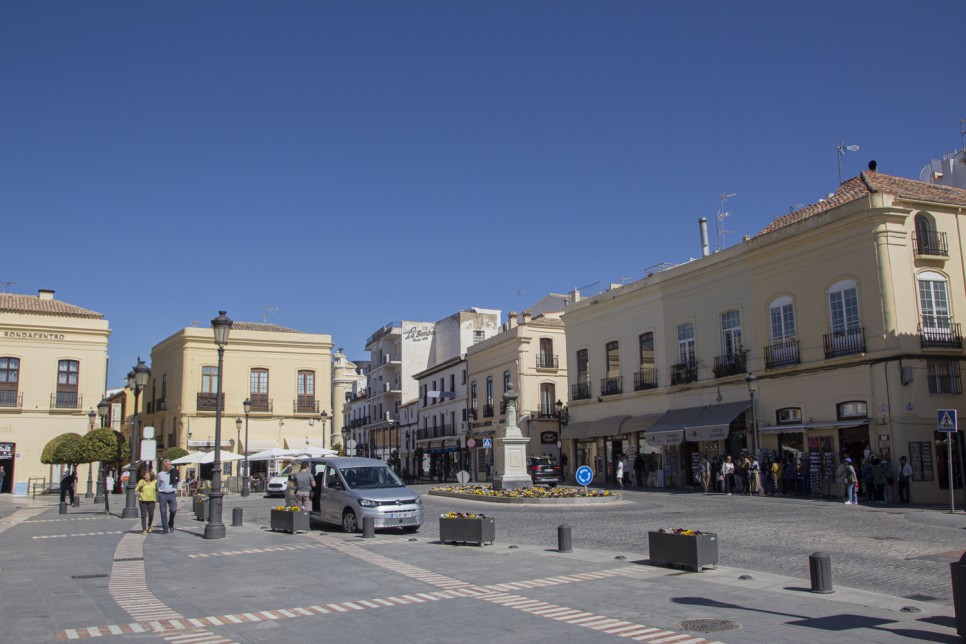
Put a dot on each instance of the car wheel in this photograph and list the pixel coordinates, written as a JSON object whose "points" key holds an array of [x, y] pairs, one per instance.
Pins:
{"points": [[350, 523], [553, 485]]}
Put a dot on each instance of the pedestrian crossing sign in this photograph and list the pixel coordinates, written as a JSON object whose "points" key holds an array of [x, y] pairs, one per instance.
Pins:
{"points": [[946, 420], [487, 443]]}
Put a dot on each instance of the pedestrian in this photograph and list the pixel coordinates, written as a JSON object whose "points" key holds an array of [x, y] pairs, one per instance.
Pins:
{"points": [[303, 486], [108, 490], [564, 461], [789, 477], [147, 491], [769, 484], [754, 477], [868, 474], [627, 469], [3, 475], [620, 472], [851, 498], [639, 469], [705, 470], [903, 475], [880, 477], [168, 480], [741, 472], [728, 472], [776, 476], [890, 479], [840, 478], [67, 482]]}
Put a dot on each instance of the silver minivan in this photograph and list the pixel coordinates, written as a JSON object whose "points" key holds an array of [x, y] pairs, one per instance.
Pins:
{"points": [[348, 489]]}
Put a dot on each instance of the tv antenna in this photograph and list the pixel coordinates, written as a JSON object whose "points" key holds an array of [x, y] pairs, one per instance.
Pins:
{"points": [[720, 217], [268, 311], [7, 285], [519, 293], [842, 148], [582, 288]]}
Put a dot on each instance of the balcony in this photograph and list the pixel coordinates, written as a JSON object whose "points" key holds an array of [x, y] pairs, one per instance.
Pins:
{"points": [[645, 379], [730, 364], [611, 386], [11, 399], [546, 411], [66, 400], [782, 353], [261, 403], [846, 342], [580, 391], [472, 413], [305, 405], [930, 243], [545, 361], [487, 411], [209, 402], [684, 372], [940, 334], [359, 422]]}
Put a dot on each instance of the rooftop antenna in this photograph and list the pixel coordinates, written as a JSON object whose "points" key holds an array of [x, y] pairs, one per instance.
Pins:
{"points": [[795, 206], [519, 293], [962, 131], [720, 217], [267, 311], [7, 285], [842, 148], [581, 288]]}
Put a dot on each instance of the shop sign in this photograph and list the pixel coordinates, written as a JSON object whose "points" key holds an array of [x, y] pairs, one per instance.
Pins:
{"points": [[548, 438], [707, 433], [6, 450]]}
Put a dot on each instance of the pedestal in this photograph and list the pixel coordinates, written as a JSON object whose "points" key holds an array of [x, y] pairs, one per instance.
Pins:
{"points": [[510, 463]]}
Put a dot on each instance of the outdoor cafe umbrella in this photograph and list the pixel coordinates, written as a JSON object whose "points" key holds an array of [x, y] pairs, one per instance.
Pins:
{"points": [[193, 457], [209, 457], [271, 454]]}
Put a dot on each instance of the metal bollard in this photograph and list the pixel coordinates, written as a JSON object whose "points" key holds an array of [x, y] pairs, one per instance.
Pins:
{"points": [[368, 527], [564, 539], [958, 572], [236, 517], [820, 571], [63, 507], [75, 502]]}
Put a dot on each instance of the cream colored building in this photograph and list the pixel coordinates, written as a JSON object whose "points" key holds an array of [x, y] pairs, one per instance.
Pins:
{"points": [[348, 380], [286, 374], [53, 368], [532, 354], [844, 311]]}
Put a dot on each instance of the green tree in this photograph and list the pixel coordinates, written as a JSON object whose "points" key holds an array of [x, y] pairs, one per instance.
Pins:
{"points": [[102, 445], [338, 448], [173, 453], [71, 450], [51, 453]]}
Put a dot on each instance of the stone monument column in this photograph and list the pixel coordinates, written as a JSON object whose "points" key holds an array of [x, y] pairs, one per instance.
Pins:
{"points": [[510, 450]]}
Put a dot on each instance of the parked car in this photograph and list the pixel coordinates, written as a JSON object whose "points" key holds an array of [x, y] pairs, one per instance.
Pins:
{"points": [[543, 470], [277, 484], [347, 490]]}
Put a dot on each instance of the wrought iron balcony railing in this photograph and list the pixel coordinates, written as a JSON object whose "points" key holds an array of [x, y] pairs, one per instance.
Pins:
{"points": [[545, 361], [580, 391], [66, 400], [945, 335], [209, 401], [11, 399], [305, 405], [930, 242], [611, 386], [845, 342], [684, 372], [730, 364], [782, 353], [645, 379]]}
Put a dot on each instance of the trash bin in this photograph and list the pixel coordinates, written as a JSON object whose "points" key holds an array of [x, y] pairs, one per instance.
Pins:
{"points": [[957, 571]]}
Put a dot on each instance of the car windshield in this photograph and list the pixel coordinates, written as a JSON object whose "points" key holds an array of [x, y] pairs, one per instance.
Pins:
{"points": [[286, 471], [544, 461], [369, 478]]}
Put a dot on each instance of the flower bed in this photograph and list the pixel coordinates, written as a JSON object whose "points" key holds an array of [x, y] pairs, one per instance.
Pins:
{"points": [[523, 492], [691, 549], [289, 519], [467, 527]]}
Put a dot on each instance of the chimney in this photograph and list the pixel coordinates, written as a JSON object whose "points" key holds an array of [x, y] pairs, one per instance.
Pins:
{"points": [[45, 294], [575, 296], [703, 225], [525, 317], [873, 165], [511, 319]]}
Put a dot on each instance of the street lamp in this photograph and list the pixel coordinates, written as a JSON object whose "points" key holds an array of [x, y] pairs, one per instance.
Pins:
{"points": [[563, 418], [752, 383], [90, 466], [246, 475], [238, 425], [103, 408], [324, 416], [215, 529], [137, 379]]}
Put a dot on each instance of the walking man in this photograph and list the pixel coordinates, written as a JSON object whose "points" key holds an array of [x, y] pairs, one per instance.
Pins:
{"points": [[904, 475], [303, 486], [168, 480]]}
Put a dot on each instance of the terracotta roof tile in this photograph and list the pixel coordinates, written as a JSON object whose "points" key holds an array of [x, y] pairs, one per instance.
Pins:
{"points": [[261, 326], [34, 305]]}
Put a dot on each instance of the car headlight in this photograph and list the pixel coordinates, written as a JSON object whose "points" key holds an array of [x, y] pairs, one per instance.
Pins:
{"points": [[418, 501], [366, 503]]}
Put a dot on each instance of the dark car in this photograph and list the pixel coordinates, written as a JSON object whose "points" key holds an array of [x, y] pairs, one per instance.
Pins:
{"points": [[543, 470]]}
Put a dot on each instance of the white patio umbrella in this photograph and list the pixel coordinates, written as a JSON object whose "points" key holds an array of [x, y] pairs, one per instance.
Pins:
{"points": [[209, 457], [309, 451], [270, 454], [193, 457]]}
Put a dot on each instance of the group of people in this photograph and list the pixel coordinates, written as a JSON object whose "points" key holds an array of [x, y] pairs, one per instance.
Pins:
{"points": [[730, 476], [874, 480], [160, 488]]}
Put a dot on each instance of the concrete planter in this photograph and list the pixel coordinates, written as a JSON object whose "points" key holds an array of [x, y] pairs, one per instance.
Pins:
{"points": [[466, 531], [200, 506], [693, 552], [289, 521]]}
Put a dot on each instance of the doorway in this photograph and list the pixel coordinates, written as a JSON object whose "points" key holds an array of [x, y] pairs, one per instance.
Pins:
{"points": [[7, 453]]}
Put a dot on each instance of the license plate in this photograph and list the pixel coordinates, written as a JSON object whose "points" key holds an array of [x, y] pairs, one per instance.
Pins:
{"points": [[400, 515]]}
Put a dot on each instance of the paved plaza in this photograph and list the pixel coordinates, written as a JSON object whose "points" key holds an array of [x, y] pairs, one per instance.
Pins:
{"points": [[85, 575]]}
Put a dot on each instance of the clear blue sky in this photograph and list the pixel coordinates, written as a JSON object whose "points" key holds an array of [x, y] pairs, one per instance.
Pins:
{"points": [[353, 163]]}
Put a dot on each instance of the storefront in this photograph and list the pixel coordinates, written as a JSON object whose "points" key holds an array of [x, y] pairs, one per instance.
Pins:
{"points": [[597, 444]]}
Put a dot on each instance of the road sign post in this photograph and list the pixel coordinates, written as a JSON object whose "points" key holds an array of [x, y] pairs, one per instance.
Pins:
{"points": [[584, 476], [947, 421]]}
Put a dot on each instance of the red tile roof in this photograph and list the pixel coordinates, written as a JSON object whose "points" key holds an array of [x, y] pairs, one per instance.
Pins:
{"points": [[872, 182], [261, 326], [34, 305]]}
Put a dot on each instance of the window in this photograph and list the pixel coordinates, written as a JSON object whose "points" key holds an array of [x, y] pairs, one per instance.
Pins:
{"points": [[612, 383], [646, 344], [730, 333], [67, 375], [943, 377], [464, 377], [452, 382], [782, 314], [489, 390], [209, 380], [546, 359], [473, 398], [258, 390], [305, 392], [479, 336], [933, 302], [548, 400], [927, 241], [685, 333], [9, 381], [789, 416], [852, 409], [583, 366], [843, 304]]}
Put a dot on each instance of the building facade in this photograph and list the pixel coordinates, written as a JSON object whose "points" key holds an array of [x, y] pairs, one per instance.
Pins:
{"points": [[53, 372], [830, 334]]}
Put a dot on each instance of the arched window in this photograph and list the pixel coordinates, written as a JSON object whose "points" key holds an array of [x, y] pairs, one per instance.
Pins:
{"points": [[843, 305], [927, 240], [782, 314], [933, 302]]}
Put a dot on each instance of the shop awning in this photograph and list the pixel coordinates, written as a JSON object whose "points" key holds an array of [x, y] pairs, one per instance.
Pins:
{"points": [[610, 426], [636, 424], [801, 427], [577, 431], [671, 437], [713, 421], [673, 420], [780, 429]]}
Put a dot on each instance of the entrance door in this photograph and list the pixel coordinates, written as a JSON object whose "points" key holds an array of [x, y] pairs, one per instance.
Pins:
{"points": [[7, 453], [613, 448]]}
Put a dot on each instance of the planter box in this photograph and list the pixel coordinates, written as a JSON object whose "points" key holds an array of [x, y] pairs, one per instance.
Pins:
{"points": [[289, 521], [465, 531], [200, 506], [692, 552]]}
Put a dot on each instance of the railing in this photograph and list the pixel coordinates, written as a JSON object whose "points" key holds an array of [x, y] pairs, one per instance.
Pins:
{"points": [[547, 411], [611, 386], [472, 413], [846, 342], [730, 364], [162, 404], [545, 361], [782, 353], [11, 399], [436, 432], [645, 379], [359, 422], [306, 405], [683, 373], [944, 335], [260, 403], [930, 242], [580, 391], [487, 411], [209, 401], [66, 400]]}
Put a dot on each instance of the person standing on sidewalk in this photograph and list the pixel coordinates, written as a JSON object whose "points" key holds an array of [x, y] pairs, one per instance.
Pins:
{"points": [[903, 476], [147, 491], [639, 469], [303, 486], [728, 472], [67, 483], [168, 480], [851, 498]]}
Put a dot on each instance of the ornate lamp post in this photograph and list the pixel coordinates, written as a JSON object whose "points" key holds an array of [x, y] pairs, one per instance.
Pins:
{"points": [[324, 416], [563, 419], [215, 529], [91, 415], [137, 379], [238, 426], [752, 381], [103, 408], [247, 479]]}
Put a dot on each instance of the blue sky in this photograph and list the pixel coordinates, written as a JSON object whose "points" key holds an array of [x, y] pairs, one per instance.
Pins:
{"points": [[352, 163]]}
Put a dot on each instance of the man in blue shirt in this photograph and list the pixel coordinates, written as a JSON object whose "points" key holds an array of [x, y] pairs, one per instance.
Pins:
{"points": [[168, 480]]}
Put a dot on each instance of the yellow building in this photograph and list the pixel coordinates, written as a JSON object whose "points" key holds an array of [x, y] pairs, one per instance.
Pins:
{"points": [[831, 333], [53, 367], [285, 374]]}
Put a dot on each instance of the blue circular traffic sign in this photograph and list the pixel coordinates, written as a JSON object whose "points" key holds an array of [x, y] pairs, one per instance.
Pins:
{"points": [[584, 475]]}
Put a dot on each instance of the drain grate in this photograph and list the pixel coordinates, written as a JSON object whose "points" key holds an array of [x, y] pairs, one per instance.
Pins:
{"points": [[131, 559], [101, 576], [707, 625]]}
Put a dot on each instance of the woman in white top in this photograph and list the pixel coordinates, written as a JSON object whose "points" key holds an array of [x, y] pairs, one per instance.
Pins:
{"points": [[728, 470], [620, 472]]}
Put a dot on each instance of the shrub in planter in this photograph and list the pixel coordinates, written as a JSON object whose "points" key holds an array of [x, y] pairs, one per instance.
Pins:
{"points": [[200, 506], [289, 519], [462, 527], [687, 548]]}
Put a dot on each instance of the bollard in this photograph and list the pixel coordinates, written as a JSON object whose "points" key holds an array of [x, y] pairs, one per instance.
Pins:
{"points": [[236, 517], [368, 527], [564, 539], [958, 572], [75, 502], [820, 570], [63, 507]]}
